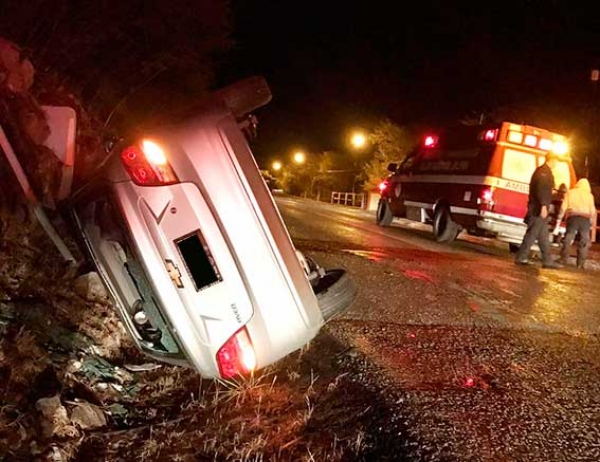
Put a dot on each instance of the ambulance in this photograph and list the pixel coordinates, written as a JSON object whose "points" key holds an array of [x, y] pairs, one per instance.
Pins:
{"points": [[474, 178]]}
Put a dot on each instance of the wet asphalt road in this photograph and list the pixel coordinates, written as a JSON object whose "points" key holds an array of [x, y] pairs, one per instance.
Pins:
{"points": [[480, 359]]}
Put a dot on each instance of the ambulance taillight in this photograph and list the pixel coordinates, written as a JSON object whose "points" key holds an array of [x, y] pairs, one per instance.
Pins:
{"points": [[486, 198]]}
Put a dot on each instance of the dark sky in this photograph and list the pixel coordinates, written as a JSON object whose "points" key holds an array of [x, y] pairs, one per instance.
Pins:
{"points": [[333, 64]]}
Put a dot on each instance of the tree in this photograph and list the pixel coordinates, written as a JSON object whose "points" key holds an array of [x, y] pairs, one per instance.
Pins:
{"points": [[392, 142], [321, 174], [127, 61], [309, 179]]}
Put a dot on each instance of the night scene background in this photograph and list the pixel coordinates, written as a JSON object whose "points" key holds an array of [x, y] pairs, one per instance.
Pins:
{"points": [[332, 66]]}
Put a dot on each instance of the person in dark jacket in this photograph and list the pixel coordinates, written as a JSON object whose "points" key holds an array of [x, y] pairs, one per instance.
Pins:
{"points": [[540, 198]]}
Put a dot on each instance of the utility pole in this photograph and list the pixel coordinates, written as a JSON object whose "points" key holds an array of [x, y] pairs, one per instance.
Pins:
{"points": [[594, 77]]}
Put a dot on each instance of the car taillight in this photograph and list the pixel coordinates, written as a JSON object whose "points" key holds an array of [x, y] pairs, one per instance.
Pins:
{"points": [[147, 164], [236, 356], [383, 186]]}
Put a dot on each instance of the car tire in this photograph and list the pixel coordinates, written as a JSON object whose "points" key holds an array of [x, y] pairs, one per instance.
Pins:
{"points": [[384, 213], [336, 292], [444, 229]]}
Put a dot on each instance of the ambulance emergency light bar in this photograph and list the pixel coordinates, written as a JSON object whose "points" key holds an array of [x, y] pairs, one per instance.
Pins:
{"points": [[559, 147], [514, 136]]}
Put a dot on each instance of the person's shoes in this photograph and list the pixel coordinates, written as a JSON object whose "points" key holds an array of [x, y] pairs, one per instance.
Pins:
{"points": [[523, 262], [552, 265]]}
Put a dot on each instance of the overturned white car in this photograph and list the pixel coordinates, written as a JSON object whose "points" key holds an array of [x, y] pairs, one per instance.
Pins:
{"points": [[189, 243]]}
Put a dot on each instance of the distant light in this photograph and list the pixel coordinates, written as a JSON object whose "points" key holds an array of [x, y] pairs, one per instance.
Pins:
{"points": [[299, 157], [276, 165], [358, 140], [430, 141], [469, 382]]}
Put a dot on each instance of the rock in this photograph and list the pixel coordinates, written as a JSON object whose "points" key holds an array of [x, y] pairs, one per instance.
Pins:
{"points": [[87, 416], [54, 420], [90, 287]]}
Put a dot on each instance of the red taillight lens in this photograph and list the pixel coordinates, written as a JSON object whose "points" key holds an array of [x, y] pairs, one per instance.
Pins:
{"points": [[488, 195], [430, 141], [383, 186], [147, 164], [490, 135], [236, 356]]}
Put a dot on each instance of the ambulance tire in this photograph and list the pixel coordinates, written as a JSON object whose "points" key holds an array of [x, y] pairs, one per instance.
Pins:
{"points": [[384, 213], [444, 229]]}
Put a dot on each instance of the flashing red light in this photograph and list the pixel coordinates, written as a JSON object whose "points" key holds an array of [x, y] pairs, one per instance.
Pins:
{"points": [[487, 195], [236, 356], [490, 135], [430, 141], [469, 382], [383, 186], [147, 165]]}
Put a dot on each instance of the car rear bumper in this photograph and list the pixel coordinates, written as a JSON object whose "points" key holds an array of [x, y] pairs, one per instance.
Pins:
{"points": [[251, 290]]}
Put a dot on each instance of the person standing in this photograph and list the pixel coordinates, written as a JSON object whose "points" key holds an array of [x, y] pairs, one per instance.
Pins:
{"points": [[540, 198], [579, 208]]}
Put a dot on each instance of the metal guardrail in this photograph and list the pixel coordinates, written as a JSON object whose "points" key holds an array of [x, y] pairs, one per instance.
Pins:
{"points": [[348, 198]]}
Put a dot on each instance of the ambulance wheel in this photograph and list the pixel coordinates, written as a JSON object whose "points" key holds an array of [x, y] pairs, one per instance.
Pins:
{"points": [[384, 214], [514, 248], [444, 229]]}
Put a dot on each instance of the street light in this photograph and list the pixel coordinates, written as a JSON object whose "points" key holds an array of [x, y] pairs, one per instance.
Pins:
{"points": [[358, 140], [276, 165], [299, 157]]}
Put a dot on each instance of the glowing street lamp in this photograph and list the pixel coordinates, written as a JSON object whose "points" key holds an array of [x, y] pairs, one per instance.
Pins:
{"points": [[276, 165], [358, 140], [299, 157]]}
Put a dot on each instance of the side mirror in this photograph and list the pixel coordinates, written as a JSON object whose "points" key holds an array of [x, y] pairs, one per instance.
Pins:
{"points": [[392, 167]]}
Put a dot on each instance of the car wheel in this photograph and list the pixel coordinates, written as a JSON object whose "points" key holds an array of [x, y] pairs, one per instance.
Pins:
{"points": [[384, 213], [336, 292], [444, 229]]}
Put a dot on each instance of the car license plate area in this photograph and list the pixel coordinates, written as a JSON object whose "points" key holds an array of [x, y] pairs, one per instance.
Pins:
{"points": [[200, 264]]}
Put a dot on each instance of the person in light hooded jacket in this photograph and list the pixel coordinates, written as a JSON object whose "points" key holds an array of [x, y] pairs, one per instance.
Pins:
{"points": [[579, 208]]}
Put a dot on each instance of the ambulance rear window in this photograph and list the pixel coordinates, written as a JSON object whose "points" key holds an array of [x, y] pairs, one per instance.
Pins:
{"points": [[518, 165]]}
